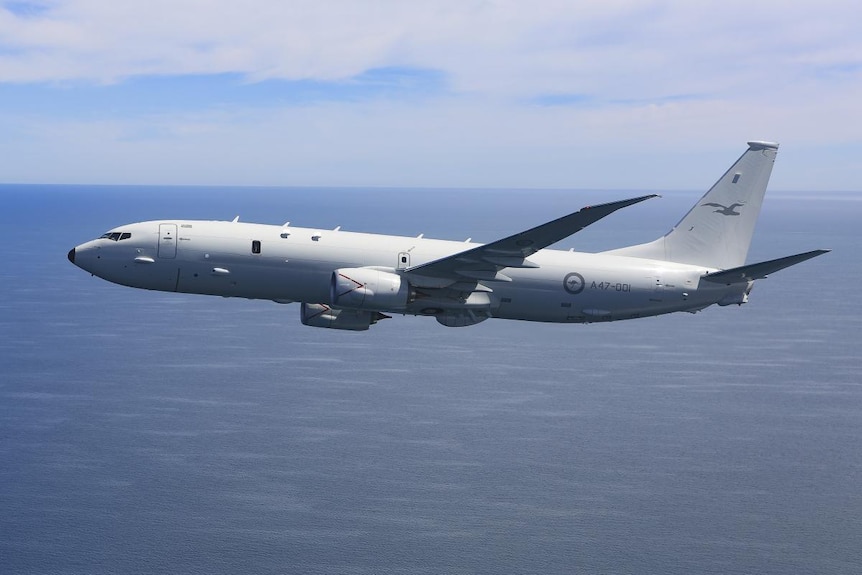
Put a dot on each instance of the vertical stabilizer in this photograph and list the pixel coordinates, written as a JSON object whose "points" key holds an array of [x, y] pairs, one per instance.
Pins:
{"points": [[717, 231]]}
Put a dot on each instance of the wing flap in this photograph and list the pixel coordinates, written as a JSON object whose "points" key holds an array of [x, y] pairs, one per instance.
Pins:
{"points": [[509, 261], [483, 275], [760, 270]]}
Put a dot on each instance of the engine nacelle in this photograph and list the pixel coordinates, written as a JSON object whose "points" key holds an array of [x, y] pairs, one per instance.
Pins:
{"points": [[321, 315], [367, 288]]}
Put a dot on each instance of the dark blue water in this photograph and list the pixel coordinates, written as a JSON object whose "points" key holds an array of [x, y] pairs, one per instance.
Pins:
{"points": [[145, 432]]}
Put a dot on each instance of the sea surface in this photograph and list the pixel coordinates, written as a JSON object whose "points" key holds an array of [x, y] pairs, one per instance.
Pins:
{"points": [[146, 432]]}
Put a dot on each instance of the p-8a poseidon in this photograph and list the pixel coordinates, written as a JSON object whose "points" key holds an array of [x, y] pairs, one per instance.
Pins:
{"points": [[346, 280]]}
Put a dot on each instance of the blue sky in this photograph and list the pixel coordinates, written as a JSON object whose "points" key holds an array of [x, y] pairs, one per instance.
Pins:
{"points": [[563, 94]]}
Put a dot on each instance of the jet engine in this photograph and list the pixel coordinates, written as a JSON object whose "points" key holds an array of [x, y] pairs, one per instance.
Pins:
{"points": [[368, 288], [321, 315]]}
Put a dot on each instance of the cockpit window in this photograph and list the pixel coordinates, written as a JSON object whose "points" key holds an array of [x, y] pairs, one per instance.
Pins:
{"points": [[115, 236]]}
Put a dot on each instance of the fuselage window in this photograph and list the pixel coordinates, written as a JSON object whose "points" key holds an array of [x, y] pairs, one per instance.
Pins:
{"points": [[255, 247]]}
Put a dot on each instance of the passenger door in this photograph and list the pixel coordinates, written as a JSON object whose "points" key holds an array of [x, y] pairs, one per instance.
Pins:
{"points": [[167, 241]]}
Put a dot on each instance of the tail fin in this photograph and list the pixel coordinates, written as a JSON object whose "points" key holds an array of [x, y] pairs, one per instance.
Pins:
{"points": [[717, 231]]}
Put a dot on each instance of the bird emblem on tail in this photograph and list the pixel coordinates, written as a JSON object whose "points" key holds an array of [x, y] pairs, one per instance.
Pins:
{"points": [[725, 210]]}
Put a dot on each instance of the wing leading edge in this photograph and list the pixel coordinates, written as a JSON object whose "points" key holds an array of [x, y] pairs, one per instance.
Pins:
{"points": [[485, 262]]}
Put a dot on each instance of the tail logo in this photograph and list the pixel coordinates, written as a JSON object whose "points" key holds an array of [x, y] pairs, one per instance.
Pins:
{"points": [[725, 210]]}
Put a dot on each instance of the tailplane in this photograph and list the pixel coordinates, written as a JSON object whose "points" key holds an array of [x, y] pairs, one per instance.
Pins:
{"points": [[758, 271], [717, 231]]}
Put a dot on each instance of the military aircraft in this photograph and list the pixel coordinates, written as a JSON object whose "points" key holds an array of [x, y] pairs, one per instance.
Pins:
{"points": [[350, 281]]}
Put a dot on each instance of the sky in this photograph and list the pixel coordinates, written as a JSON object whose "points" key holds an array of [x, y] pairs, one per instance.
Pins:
{"points": [[619, 94]]}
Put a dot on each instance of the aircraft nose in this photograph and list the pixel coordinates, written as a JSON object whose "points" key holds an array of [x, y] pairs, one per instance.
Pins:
{"points": [[71, 255]]}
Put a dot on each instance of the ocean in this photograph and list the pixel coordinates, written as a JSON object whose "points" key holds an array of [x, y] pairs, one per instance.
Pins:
{"points": [[147, 432]]}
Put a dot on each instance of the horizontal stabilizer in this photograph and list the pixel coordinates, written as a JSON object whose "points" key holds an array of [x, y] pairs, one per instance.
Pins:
{"points": [[760, 270]]}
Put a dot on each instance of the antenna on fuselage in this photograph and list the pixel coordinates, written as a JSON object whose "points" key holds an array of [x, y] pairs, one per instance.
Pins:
{"points": [[235, 220]]}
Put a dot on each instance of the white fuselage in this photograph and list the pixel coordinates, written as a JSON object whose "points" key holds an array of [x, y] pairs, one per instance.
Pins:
{"points": [[290, 264]]}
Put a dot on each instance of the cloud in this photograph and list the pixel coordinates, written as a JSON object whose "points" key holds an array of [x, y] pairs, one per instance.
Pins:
{"points": [[494, 47], [469, 92]]}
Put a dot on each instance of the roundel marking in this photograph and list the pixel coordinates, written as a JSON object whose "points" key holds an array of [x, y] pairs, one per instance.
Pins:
{"points": [[573, 283]]}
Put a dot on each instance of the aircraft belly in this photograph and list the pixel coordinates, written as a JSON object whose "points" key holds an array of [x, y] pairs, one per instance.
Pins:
{"points": [[560, 294], [254, 281], [133, 270], [160, 277]]}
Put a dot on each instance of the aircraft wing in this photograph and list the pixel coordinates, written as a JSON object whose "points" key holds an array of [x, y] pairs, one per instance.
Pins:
{"points": [[485, 262], [760, 270]]}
